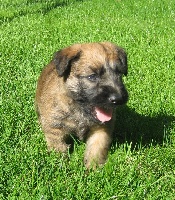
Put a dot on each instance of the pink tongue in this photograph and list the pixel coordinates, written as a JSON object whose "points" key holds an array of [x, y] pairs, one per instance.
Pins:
{"points": [[103, 115]]}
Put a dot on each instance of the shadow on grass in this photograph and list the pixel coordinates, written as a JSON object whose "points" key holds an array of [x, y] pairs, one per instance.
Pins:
{"points": [[142, 130], [137, 130], [48, 7], [32, 9]]}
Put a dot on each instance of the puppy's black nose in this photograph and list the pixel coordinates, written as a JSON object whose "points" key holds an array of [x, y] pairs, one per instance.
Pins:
{"points": [[114, 99]]}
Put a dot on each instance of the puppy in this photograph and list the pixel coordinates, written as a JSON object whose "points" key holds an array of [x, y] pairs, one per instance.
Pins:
{"points": [[77, 93]]}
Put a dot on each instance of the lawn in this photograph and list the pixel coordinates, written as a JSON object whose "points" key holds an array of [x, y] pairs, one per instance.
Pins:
{"points": [[141, 163]]}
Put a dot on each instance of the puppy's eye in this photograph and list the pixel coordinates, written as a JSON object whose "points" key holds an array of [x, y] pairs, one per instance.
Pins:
{"points": [[118, 73], [92, 77]]}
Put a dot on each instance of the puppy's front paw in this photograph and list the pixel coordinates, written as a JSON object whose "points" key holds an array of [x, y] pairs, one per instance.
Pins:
{"points": [[95, 155]]}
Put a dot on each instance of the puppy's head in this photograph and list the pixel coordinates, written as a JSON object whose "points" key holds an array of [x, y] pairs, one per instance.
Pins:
{"points": [[93, 76]]}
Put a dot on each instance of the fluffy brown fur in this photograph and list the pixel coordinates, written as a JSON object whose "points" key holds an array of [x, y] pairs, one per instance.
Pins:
{"points": [[77, 93]]}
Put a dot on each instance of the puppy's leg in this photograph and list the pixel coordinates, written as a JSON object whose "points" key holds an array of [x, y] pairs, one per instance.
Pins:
{"points": [[56, 140], [97, 146]]}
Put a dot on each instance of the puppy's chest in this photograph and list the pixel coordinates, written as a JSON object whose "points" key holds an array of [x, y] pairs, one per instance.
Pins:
{"points": [[73, 121]]}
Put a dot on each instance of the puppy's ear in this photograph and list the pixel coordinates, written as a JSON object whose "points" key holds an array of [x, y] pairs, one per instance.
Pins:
{"points": [[121, 62], [64, 58]]}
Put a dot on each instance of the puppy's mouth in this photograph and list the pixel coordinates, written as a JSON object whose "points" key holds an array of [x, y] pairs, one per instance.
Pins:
{"points": [[103, 114]]}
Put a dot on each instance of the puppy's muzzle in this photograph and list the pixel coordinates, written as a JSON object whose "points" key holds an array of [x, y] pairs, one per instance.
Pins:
{"points": [[113, 99], [117, 99]]}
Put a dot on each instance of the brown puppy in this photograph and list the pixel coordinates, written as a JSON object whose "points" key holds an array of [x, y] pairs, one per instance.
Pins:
{"points": [[77, 94]]}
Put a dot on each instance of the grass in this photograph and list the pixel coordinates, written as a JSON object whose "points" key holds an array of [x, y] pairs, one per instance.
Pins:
{"points": [[141, 162]]}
